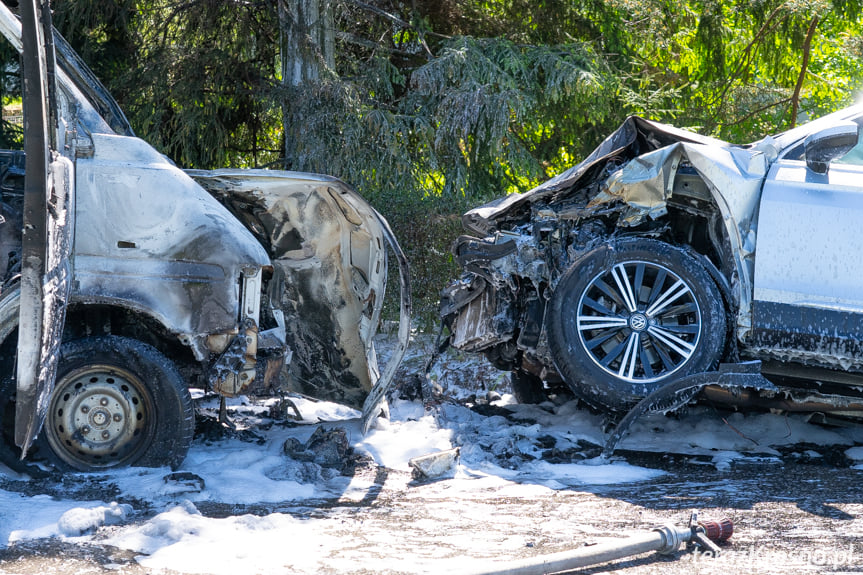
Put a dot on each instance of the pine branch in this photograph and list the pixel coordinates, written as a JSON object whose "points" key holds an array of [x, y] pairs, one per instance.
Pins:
{"points": [[395, 19], [744, 61], [757, 111], [349, 38]]}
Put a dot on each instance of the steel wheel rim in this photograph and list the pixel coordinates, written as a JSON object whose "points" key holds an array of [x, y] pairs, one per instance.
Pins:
{"points": [[639, 321], [100, 416]]}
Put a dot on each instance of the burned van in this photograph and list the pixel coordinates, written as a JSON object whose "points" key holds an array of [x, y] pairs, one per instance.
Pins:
{"points": [[126, 280]]}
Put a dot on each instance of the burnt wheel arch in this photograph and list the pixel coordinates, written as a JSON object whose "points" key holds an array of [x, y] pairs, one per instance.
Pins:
{"points": [[154, 354], [631, 315]]}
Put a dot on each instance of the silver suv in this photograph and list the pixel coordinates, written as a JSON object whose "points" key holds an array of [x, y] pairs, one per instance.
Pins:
{"points": [[665, 253]]}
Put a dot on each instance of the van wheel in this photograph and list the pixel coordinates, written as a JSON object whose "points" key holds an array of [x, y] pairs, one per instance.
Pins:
{"points": [[116, 402], [632, 315]]}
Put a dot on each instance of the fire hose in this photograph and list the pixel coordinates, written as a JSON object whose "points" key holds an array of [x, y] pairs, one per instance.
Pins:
{"points": [[665, 540]]}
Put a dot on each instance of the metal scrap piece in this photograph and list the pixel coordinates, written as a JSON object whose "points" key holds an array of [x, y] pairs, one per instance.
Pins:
{"points": [[434, 465], [680, 391]]}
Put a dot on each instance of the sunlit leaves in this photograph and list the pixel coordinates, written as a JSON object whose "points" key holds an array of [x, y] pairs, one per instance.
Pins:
{"points": [[466, 98], [731, 68]]}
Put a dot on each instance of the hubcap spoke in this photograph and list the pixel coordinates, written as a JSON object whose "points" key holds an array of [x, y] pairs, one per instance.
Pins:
{"points": [[592, 343], [678, 310], [630, 357], [682, 347], [618, 272], [686, 329], [615, 353], [591, 322], [675, 292], [595, 305], [645, 361], [639, 279], [658, 282], [609, 292], [663, 355]]}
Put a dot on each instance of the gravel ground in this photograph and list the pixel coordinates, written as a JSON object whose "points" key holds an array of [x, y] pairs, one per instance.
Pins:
{"points": [[790, 516], [793, 513]]}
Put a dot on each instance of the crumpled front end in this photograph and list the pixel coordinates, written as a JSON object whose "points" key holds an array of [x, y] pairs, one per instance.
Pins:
{"points": [[328, 251], [646, 179]]}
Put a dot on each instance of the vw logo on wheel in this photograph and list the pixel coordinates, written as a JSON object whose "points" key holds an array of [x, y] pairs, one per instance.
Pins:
{"points": [[638, 322]]}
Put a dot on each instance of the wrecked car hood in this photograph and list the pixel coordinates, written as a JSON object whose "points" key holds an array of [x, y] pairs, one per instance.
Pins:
{"points": [[635, 136], [328, 248], [633, 174]]}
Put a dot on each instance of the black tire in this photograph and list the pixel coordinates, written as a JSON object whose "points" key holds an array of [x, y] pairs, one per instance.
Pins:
{"points": [[632, 315], [9, 453], [116, 402], [526, 387]]}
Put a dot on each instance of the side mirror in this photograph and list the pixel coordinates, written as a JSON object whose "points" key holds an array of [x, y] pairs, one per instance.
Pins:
{"points": [[823, 147]]}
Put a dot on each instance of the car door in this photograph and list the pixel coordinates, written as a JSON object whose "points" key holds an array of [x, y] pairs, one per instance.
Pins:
{"points": [[808, 266], [47, 227]]}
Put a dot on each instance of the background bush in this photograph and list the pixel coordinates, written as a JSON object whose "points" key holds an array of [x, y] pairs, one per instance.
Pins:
{"points": [[429, 107]]}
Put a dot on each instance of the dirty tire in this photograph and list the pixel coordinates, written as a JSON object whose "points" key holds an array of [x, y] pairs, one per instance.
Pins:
{"points": [[632, 315], [116, 402], [9, 452], [526, 387]]}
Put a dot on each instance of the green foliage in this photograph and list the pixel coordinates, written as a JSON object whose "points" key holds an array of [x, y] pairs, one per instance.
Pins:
{"points": [[462, 97], [12, 121], [483, 116], [194, 78], [102, 32], [426, 229], [738, 70], [433, 106]]}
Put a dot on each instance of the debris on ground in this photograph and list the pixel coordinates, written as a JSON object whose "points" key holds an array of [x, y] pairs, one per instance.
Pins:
{"points": [[184, 482], [328, 448], [528, 482], [210, 429], [435, 465]]}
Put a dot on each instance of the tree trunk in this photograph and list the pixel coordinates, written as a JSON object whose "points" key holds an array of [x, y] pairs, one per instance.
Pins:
{"points": [[307, 33], [807, 44]]}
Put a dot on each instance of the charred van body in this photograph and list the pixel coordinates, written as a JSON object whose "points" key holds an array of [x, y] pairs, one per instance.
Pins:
{"points": [[134, 280]]}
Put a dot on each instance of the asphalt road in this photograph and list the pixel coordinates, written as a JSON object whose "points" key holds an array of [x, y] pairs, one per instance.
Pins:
{"points": [[790, 516], [793, 513]]}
